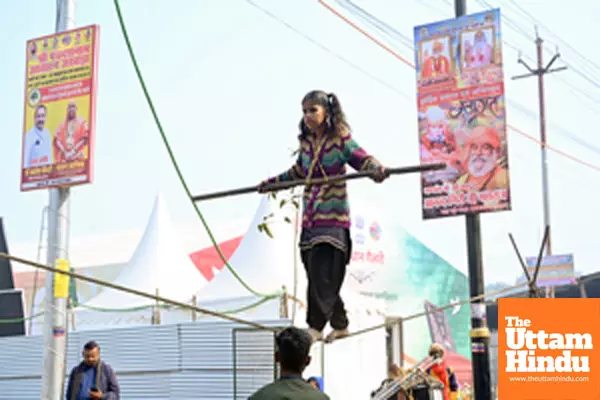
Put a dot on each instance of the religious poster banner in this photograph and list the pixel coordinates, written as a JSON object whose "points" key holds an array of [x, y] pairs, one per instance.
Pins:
{"points": [[60, 100], [462, 122]]}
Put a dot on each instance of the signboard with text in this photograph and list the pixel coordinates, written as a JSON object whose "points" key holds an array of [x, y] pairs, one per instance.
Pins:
{"points": [[60, 108], [460, 88], [555, 270]]}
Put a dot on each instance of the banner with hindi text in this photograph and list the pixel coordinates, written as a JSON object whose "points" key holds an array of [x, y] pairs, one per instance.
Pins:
{"points": [[60, 99], [462, 119]]}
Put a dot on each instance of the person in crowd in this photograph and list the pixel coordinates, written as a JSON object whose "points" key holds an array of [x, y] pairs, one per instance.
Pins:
{"points": [[92, 379], [293, 356], [314, 382], [443, 372], [326, 146]]}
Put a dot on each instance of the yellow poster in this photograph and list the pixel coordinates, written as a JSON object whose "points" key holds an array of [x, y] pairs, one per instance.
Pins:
{"points": [[59, 116], [61, 281]]}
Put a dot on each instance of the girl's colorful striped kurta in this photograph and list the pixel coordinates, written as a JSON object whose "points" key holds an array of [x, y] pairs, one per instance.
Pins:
{"points": [[326, 210]]}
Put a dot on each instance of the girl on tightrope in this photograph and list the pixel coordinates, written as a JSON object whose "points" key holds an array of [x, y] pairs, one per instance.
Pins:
{"points": [[326, 146]]}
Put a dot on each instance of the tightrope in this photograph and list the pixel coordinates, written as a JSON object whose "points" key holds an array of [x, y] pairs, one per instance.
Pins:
{"points": [[394, 321]]}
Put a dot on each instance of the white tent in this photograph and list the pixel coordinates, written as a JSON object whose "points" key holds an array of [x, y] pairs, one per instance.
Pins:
{"points": [[265, 264], [159, 263]]}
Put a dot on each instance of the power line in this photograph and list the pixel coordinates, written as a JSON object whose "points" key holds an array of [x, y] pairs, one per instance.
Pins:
{"points": [[389, 31], [409, 63], [592, 64], [516, 27], [331, 52], [389, 86]]}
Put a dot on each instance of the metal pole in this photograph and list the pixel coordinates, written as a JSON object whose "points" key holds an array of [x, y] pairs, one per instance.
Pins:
{"points": [[55, 309], [540, 71], [542, 103], [480, 334]]}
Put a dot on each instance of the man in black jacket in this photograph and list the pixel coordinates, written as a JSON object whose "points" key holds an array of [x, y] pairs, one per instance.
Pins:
{"points": [[92, 379]]}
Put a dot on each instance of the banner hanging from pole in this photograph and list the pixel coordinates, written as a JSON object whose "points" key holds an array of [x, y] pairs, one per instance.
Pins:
{"points": [[60, 109], [462, 119]]}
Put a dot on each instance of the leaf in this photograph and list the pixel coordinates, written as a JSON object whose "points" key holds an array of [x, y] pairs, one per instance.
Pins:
{"points": [[261, 227], [273, 195], [288, 220], [268, 231], [282, 203], [295, 203]]}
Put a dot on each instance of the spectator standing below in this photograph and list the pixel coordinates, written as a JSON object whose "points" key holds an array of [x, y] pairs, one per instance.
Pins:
{"points": [[92, 379], [292, 354], [315, 382], [443, 372]]}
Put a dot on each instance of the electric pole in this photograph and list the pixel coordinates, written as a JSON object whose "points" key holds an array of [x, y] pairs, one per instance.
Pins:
{"points": [[480, 334], [540, 71], [55, 308]]}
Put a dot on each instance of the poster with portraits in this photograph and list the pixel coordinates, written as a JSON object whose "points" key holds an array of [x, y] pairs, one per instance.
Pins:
{"points": [[462, 120], [60, 109]]}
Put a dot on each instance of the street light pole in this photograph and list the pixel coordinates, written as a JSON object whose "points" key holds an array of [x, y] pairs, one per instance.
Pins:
{"points": [[480, 334], [55, 308]]}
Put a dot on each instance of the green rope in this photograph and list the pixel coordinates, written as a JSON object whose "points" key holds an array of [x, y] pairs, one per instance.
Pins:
{"points": [[105, 309], [171, 307], [139, 308], [17, 320], [174, 161]]}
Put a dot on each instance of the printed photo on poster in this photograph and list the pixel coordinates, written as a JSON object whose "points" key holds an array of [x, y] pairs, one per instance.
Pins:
{"points": [[462, 119], [435, 57], [59, 115]]}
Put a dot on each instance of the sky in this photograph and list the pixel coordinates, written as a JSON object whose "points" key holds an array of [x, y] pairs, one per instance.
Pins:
{"points": [[227, 78]]}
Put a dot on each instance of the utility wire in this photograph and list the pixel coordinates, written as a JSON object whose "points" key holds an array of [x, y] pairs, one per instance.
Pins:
{"points": [[591, 64], [405, 61], [331, 52]]}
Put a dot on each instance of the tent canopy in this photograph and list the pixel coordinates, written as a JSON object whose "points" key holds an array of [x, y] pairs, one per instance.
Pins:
{"points": [[265, 264], [158, 263]]}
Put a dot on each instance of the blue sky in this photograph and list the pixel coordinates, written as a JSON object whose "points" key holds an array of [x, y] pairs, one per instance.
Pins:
{"points": [[227, 80]]}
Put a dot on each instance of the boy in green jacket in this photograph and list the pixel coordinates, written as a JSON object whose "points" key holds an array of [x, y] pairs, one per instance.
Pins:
{"points": [[292, 354]]}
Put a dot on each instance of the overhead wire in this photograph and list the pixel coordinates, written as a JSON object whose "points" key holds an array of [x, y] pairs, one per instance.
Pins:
{"points": [[591, 65], [397, 90], [569, 86], [330, 51], [411, 64], [516, 27], [526, 34], [174, 160]]}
